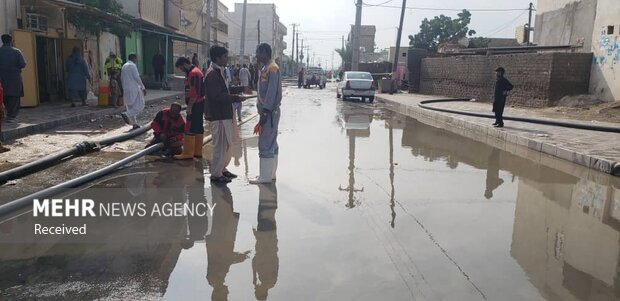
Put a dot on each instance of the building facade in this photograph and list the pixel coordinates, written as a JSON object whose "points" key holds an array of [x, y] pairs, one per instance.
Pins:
{"points": [[593, 25], [367, 38], [262, 26]]}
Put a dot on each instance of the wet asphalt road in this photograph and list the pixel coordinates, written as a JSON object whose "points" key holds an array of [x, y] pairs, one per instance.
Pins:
{"points": [[368, 205]]}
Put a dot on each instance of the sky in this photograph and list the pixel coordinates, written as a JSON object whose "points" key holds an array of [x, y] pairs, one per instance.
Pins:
{"points": [[324, 22]]}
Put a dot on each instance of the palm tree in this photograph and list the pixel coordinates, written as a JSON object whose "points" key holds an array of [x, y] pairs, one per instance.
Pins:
{"points": [[346, 55]]}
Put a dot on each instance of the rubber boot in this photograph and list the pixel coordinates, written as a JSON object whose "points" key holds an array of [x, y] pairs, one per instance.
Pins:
{"points": [[275, 167], [188, 148], [266, 171], [198, 146]]}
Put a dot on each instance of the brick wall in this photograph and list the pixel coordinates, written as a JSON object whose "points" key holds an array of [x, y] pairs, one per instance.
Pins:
{"points": [[540, 79]]}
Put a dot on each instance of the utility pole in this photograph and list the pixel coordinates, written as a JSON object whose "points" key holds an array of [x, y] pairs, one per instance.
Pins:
{"points": [[356, 36], [342, 41], [293, 45], [207, 32], [528, 32], [302, 53], [258, 28], [297, 48], [400, 33], [243, 15]]}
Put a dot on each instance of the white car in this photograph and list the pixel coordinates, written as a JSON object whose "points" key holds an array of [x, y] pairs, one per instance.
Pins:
{"points": [[356, 84]]}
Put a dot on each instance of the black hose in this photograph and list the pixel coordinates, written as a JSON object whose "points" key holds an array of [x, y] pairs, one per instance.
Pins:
{"points": [[26, 201], [77, 150], [573, 125]]}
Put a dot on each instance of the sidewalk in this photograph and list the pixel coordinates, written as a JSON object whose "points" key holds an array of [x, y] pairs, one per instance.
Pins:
{"points": [[50, 115], [596, 150]]}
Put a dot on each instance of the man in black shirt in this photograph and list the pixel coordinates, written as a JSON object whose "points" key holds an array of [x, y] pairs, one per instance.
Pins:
{"points": [[502, 87]]}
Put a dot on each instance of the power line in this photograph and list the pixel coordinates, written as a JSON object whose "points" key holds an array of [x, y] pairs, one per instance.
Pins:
{"points": [[380, 4], [452, 9], [505, 25]]}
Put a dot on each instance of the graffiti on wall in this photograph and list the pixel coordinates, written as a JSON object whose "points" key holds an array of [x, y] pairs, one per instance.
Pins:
{"points": [[608, 53]]}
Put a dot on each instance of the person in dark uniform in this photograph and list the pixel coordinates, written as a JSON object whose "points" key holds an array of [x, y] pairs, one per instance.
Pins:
{"points": [[502, 87]]}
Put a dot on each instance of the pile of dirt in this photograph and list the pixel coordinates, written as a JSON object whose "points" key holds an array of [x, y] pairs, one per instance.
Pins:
{"points": [[601, 112], [579, 101]]}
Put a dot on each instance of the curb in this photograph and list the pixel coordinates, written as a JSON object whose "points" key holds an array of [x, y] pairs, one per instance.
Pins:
{"points": [[12, 134], [484, 132]]}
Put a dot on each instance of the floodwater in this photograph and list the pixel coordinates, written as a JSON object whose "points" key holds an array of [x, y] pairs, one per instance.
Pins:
{"points": [[368, 205]]}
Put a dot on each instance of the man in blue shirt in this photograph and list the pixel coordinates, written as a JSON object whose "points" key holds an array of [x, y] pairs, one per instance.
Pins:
{"points": [[268, 104]]}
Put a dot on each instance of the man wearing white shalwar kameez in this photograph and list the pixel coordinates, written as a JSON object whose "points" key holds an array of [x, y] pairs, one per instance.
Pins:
{"points": [[133, 91]]}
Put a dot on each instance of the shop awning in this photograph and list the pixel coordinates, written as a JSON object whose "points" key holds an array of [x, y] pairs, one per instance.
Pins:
{"points": [[173, 35]]}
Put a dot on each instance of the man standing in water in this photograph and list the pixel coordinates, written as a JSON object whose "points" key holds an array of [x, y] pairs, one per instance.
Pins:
{"points": [[268, 104], [219, 113], [194, 99]]}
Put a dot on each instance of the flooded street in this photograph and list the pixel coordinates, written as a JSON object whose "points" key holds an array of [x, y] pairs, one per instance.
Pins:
{"points": [[368, 205]]}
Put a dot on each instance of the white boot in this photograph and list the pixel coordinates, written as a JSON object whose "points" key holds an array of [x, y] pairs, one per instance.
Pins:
{"points": [[275, 167], [266, 171]]}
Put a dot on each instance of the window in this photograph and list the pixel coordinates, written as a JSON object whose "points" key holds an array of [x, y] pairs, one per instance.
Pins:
{"points": [[610, 29], [359, 75]]}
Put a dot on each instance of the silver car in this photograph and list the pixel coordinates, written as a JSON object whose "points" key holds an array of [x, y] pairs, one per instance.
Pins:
{"points": [[356, 84]]}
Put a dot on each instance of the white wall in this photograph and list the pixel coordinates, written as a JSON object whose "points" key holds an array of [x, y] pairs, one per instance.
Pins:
{"points": [[605, 76], [9, 12], [544, 6], [254, 12]]}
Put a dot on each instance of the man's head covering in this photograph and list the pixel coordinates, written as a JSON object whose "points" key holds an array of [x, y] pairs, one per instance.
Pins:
{"points": [[500, 69]]}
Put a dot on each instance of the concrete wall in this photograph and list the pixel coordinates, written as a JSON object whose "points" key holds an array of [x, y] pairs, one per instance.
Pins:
{"points": [[586, 22], [254, 12], [9, 13], [548, 5], [539, 79], [605, 82], [571, 24]]}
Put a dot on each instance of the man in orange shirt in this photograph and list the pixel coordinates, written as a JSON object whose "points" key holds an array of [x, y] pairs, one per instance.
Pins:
{"points": [[194, 98]]}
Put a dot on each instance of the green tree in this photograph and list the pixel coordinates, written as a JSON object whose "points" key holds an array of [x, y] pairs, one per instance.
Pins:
{"points": [[441, 29], [479, 42], [95, 25], [346, 55]]}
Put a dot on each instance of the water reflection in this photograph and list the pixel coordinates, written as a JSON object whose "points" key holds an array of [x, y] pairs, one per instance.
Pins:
{"points": [[265, 264], [566, 233], [118, 256], [220, 242], [355, 120], [493, 180], [566, 237]]}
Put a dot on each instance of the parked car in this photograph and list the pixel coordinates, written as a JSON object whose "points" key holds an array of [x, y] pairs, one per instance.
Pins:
{"points": [[356, 84], [315, 77]]}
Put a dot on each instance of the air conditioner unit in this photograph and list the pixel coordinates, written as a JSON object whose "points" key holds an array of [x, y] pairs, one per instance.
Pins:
{"points": [[36, 22]]}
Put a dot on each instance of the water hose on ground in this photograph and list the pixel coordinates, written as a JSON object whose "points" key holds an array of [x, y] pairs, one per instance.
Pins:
{"points": [[75, 151], [26, 201], [566, 124]]}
